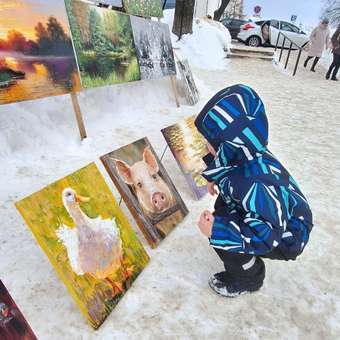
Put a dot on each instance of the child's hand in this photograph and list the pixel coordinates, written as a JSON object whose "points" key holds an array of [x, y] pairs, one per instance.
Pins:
{"points": [[206, 222], [211, 189]]}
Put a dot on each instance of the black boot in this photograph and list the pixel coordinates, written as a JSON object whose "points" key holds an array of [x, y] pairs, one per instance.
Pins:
{"points": [[306, 62], [335, 72], [228, 285], [316, 60], [328, 75], [231, 288]]}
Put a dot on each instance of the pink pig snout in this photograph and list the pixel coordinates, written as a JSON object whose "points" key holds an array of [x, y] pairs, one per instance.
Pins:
{"points": [[159, 201]]}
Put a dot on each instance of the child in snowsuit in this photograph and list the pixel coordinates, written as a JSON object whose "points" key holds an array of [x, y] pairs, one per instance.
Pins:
{"points": [[260, 211]]}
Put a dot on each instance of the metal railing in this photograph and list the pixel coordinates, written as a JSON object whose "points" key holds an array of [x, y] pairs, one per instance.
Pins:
{"points": [[292, 43]]}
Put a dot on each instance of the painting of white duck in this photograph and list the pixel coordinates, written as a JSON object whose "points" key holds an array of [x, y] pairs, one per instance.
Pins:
{"points": [[88, 240]]}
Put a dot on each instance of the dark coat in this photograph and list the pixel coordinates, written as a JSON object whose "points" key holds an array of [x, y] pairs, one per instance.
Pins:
{"points": [[336, 41]]}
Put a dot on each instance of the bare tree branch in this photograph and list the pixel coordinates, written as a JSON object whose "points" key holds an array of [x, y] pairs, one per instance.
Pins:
{"points": [[331, 10]]}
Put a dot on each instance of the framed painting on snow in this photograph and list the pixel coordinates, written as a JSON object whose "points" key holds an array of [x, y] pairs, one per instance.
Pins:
{"points": [[88, 240], [13, 325], [146, 189], [188, 147]]}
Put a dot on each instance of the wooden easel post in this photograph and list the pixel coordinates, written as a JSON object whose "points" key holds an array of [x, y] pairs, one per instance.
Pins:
{"points": [[79, 116], [174, 89]]}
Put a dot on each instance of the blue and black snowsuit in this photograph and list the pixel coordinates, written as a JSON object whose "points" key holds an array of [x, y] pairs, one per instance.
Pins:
{"points": [[260, 212]]}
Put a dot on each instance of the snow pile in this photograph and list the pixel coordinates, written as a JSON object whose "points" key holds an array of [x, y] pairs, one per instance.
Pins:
{"points": [[205, 48]]}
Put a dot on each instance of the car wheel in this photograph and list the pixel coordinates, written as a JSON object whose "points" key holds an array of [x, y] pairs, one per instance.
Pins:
{"points": [[254, 41]]}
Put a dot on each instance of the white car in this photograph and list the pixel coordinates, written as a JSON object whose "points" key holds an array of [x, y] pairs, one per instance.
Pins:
{"points": [[266, 32]]}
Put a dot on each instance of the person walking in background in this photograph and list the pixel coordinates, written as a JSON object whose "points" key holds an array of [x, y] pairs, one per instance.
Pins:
{"points": [[336, 56], [319, 39]]}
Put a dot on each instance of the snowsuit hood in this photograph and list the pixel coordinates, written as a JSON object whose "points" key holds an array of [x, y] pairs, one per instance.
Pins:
{"points": [[264, 207], [234, 112]]}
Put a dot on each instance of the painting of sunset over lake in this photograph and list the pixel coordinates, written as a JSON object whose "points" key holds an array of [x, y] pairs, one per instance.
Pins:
{"points": [[36, 52]]}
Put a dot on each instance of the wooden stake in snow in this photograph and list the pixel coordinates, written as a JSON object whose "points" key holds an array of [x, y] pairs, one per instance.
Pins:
{"points": [[79, 116]]}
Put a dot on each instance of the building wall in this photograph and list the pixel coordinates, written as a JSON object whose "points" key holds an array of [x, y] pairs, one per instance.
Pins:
{"points": [[205, 7], [235, 9]]}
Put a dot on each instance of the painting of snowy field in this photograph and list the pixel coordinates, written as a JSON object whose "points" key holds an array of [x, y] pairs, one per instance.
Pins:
{"points": [[191, 91], [154, 48]]}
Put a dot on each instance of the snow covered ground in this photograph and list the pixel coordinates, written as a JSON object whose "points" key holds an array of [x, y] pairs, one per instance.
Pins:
{"points": [[205, 47], [171, 299]]}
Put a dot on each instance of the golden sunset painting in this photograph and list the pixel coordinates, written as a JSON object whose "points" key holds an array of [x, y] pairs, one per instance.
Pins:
{"points": [[36, 53]]}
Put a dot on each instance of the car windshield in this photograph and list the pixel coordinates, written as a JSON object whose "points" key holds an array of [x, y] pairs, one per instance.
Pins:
{"points": [[286, 26]]}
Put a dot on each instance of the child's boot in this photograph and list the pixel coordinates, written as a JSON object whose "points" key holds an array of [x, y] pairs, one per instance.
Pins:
{"points": [[229, 285]]}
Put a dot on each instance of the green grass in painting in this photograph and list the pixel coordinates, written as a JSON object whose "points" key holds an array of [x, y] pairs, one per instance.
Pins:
{"points": [[132, 73], [147, 8]]}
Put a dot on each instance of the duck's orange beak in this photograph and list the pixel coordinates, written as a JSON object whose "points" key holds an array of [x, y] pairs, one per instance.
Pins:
{"points": [[81, 199]]}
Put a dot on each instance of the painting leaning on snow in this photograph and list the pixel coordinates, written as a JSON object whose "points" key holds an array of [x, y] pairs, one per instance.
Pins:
{"points": [[146, 188], [144, 8], [188, 147], [88, 240], [104, 44], [13, 325], [190, 88], [154, 48], [36, 54]]}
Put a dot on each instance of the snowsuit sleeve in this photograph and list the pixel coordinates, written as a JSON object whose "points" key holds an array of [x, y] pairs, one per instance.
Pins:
{"points": [[256, 230]]}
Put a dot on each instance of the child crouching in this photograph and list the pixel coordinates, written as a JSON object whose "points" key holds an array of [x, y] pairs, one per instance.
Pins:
{"points": [[260, 211]]}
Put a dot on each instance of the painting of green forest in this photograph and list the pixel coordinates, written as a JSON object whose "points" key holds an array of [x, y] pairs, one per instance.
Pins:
{"points": [[144, 8], [104, 45]]}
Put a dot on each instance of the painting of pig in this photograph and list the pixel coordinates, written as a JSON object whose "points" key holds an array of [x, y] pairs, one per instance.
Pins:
{"points": [[146, 189]]}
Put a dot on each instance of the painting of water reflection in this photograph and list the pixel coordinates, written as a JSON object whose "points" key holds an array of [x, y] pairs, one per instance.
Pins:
{"points": [[36, 53], [104, 44], [188, 147]]}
